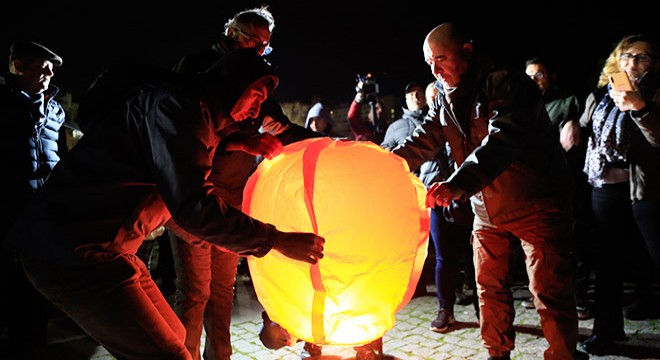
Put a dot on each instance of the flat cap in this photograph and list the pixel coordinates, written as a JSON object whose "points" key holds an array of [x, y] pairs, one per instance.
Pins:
{"points": [[31, 49]]}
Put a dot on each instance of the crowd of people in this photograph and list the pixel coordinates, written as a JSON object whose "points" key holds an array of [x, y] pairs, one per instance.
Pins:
{"points": [[515, 168]]}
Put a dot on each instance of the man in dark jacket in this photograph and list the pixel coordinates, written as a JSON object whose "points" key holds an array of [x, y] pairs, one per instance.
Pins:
{"points": [[515, 174], [450, 238], [31, 145], [141, 164], [206, 275]]}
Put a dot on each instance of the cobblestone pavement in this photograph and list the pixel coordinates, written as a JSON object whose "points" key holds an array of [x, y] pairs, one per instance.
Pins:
{"points": [[409, 339]]}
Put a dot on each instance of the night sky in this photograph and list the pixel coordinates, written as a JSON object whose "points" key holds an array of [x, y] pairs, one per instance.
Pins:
{"points": [[320, 47]]}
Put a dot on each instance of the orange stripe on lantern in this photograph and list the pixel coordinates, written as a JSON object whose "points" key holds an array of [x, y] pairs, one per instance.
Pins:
{"points": [[310, 159]]}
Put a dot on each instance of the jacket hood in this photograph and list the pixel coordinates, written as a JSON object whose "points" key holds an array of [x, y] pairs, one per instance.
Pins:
{"points": [[223, 45], [318, 110], [417, 116]]}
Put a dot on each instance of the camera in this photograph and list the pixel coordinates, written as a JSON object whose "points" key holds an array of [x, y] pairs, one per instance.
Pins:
{"points": [[369, 87]]}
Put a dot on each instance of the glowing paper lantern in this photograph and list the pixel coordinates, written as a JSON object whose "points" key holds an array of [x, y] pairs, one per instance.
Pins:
{"points": [[370, 209]]}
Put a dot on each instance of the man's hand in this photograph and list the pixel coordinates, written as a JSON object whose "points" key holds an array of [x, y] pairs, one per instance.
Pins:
{"points": [[570, 135], [262, 144], [442, 194], [305, 247]]}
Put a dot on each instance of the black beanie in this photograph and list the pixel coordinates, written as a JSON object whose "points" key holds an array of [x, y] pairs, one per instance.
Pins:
{"points": [[236, 70]]}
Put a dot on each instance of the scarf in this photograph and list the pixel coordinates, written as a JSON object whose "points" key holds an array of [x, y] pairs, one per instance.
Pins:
{"points": [[609, 141]]}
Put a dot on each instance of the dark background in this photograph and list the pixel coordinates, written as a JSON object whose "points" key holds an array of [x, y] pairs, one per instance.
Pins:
{"points": [[320, 47]]}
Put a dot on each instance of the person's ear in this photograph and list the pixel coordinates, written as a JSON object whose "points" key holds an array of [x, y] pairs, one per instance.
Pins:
{"points": [[468, 49], [18, 65], [231, 32]]}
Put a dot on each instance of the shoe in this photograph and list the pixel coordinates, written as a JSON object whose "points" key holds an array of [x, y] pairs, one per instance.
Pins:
{"points": [[584, 312], [310, 350], [442, 322], [599, 344], [528, 303], [639, 311], [462, 298], [579, 355]]}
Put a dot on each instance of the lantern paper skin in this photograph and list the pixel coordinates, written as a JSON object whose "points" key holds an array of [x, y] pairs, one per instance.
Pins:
{"points": [[369, 208]]}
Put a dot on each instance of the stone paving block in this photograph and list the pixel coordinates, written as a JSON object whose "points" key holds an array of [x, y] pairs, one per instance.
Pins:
{"points": [[466, 352]]}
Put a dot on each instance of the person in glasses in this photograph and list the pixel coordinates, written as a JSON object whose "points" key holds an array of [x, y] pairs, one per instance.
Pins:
{"points": [[512, 169], [563, 106], [206, 275], [623, 153], [251, 29]]}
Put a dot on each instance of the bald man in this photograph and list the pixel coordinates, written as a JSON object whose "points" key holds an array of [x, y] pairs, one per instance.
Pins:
{"points": [[514, 173]]}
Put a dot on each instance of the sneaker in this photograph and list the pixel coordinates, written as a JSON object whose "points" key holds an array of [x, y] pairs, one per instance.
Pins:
{"points": [[600, 344], [579, 355], [528, 303], [462, 298], [639, 310], [584, 312], [442, 322]]}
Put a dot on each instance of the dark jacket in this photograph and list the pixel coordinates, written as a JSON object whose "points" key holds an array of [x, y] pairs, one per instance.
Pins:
{"points": [[396, 134], [319, 110], [644, 153], [561, 106], [30, 144], [502, 140], [138, 165]]}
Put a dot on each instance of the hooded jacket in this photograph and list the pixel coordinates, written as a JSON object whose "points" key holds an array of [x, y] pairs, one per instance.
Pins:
{"points": [[508, 160], [319, 111], [141, 163], [396, 134]]}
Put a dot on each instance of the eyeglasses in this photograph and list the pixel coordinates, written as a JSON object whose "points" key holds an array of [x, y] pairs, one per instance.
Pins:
{"points": [[639, 57], [537, 75], [263, 46]]}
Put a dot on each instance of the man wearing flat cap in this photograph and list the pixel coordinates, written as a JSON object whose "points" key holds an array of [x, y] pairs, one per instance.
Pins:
{"points": [[145, 162], [31, 145]]}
